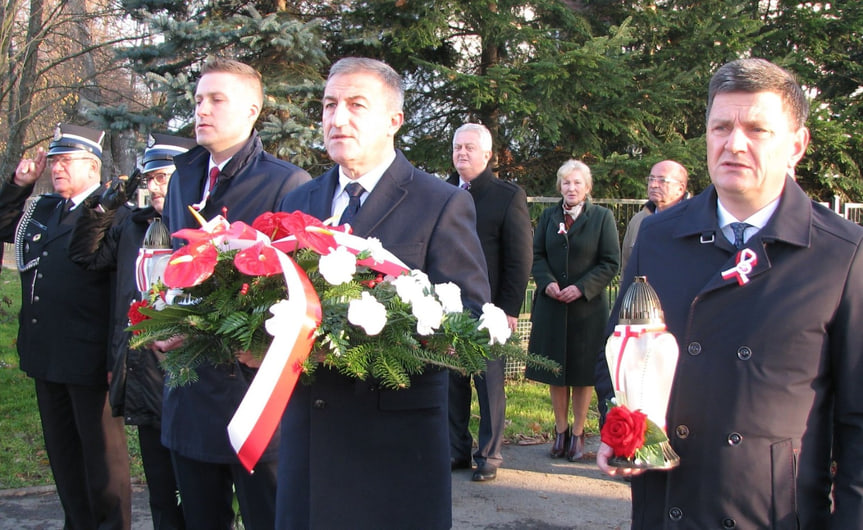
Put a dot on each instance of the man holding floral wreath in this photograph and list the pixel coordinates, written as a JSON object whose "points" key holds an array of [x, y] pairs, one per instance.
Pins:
{"points": [[229, 173], [353, 454], [761, 287]]}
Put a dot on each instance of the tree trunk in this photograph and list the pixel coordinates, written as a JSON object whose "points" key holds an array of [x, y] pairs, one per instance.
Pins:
{"points": [[21, 94]]}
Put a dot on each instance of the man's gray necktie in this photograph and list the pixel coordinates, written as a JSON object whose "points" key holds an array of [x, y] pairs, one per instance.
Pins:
{"points": [[354, 191], [739, 229]]}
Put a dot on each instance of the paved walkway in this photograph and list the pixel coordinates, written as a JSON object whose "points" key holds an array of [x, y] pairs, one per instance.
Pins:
{"points": [[532, 491]]}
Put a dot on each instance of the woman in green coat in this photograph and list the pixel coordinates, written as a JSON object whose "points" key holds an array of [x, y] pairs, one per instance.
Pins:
{"points": [[576, 254]]}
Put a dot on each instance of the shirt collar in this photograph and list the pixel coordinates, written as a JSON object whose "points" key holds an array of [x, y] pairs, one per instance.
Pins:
{"points": [[370, 179], [758, 219], [76, 200]]}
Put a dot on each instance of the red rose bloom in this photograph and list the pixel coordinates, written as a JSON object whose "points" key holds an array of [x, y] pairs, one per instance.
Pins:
{"points": [[624, 431], [135, 316]]}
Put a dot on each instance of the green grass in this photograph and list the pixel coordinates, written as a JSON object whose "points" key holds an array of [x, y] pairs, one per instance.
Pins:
{"points": [[24, 462], [529, 418], [23, 459]]}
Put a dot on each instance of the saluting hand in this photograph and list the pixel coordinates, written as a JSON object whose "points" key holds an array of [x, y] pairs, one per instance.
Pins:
{"points": [[30, 169]]}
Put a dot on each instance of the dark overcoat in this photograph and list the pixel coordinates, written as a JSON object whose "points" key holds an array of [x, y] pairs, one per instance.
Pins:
{"points": [[195, 417], [354, 455], [57, 341], [503, 227], [99, 244], [768, 382], [587, 256]]}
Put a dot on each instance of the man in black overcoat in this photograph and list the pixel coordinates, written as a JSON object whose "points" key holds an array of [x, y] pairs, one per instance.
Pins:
{"points": [[503, 227], [354, 455], [63, 331], [761, 287], [229, 174]]}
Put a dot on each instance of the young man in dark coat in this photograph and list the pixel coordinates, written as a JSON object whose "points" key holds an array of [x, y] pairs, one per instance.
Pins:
{"points": [[354, 455], [138, 381], [228, 173], [761, 286], [63, 331], [503, 227]]}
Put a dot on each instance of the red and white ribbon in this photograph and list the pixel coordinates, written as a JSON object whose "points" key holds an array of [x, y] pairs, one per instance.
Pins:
{"points": [[260, 412], [746, 261], [630, 332]]}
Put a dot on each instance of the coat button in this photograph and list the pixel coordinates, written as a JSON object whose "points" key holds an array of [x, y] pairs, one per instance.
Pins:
{"points": [[320, 404], [34, 321], [44, 253], [675, 513], [694, 348], [35, 298], [682, 432], [39, 275], [744, 353], [728, 522], [735, 438]]}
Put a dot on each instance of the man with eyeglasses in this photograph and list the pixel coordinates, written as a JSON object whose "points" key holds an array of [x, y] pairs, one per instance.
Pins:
{"points": [[666, 186], [137, 383], [63, 330]]}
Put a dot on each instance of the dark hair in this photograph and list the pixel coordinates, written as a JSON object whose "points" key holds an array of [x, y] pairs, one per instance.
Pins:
{"points": [[760, 75], [390, 78]]}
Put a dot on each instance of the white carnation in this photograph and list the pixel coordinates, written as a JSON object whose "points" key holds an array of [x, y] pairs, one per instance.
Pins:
{"points": [[367, 313], [449, 295], [338, 267], [282, 315], [429, 314], [409, 288], [494, 320]]}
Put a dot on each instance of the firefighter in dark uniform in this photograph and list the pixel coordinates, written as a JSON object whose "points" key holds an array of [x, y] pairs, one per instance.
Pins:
{"points": [[64, 331]]}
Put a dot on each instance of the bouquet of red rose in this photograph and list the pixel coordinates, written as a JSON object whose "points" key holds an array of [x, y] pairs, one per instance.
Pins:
{"points": [[642, 359]]}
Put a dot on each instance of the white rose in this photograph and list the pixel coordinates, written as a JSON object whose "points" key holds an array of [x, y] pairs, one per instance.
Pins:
{"points": [[429, 314], [494, 320], [449, 295], [368, 314], [338, 267]]}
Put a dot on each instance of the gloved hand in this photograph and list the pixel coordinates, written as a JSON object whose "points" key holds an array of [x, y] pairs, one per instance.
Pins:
{"points": [[118, 190]]}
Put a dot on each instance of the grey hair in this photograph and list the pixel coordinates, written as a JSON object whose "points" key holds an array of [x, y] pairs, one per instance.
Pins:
{"points": [[482, 130], [571, 166], [390, 78]]}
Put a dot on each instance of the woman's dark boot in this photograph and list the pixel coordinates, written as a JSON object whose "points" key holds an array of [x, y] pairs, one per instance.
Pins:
{"points": [[561, 442], [575, 448]]}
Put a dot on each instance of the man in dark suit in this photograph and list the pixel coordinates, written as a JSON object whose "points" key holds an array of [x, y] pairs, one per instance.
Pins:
{"points": [[63, 331], [763, 289], [228, 173], [503, 227], [354, 455]]}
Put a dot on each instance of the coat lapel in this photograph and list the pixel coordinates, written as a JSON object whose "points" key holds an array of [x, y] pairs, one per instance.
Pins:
{"points": [[389, 192], [790, 224]]}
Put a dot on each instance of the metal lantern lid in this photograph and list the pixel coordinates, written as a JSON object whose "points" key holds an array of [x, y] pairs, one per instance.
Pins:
{"points": [[157, 236], [640, 304]]}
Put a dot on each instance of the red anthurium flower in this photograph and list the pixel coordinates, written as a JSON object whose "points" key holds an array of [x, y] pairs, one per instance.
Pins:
{"points": [[191, 265], [258, 260], [193, 235], [270, 224], [240, 230], [295, 224]]}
